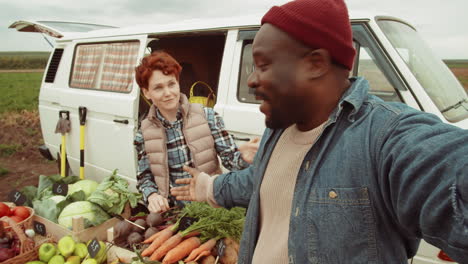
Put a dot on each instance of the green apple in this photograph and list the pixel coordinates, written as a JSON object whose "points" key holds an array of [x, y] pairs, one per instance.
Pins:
{"points": [[57, 259], [80, 250], [46, 251], [35, 262], [89, 261], [73, 260], [66, 246]]}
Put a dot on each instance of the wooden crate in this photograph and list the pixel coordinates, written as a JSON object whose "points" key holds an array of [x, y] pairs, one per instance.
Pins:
{"points": [[114, 252], [78, 232], [123, 254]]}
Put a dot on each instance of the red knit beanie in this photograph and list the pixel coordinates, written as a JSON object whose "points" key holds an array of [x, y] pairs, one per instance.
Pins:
{"points": [[318, 24]]}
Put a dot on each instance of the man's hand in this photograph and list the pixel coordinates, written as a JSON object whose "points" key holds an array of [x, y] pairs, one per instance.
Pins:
{"points": [[249, 149], [186, 192], [157, 203]]}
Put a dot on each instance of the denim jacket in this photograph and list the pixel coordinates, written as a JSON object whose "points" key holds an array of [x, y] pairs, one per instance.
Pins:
{"points": [[380, 177]]}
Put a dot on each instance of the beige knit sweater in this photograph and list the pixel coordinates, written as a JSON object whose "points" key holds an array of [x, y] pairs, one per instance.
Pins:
{"points": [[276, 194]]}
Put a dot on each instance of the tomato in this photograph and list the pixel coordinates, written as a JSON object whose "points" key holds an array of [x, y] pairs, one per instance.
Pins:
{"points": [[15, 218], [4, 210], [21, 212]]}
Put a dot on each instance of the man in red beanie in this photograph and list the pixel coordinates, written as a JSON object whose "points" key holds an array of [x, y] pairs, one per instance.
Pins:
{"points": [[340, 175]]}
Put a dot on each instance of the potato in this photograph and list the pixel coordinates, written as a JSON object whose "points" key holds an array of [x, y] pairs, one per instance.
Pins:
{"points": [[122, 229], [140, 222], [134, 238], [154, 219], [150, 231]]}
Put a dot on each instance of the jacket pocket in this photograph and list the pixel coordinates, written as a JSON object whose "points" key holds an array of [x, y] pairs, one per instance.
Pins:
{"points": [[340, 226]]}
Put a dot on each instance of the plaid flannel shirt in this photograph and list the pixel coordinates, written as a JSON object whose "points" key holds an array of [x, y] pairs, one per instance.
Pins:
{"points": [[178, 153]]}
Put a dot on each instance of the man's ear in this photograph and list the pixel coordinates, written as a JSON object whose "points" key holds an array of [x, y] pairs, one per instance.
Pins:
{"points": [[318, 62]]}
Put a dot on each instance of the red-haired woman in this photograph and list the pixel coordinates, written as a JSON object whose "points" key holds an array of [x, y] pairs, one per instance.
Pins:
{"points": [[177, 133]]}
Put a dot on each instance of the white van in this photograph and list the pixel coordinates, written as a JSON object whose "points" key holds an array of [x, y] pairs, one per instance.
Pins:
{"points": [[92, 66]]}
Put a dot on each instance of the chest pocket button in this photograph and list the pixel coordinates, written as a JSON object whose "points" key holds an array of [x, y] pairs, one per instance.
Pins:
{"points": [[332, 194]]}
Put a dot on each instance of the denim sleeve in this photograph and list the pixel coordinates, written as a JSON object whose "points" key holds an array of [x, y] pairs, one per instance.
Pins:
{"points": [[224, 142], [145, 179], [423, 174], [235, 188]]}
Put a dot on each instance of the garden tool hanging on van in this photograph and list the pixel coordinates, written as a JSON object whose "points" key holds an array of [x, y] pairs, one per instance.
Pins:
{"points": [[82, 112], [63, 127]]}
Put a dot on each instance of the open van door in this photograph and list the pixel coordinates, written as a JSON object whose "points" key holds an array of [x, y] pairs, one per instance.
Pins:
{"points": [[96, 74], [56, 29]]}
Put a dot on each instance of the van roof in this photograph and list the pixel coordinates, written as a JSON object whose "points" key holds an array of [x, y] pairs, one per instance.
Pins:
{"points": [[197, 24]]}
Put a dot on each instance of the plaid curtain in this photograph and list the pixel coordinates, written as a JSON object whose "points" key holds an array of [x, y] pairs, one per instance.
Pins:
{"points": [[85, 69], [119, 65]]}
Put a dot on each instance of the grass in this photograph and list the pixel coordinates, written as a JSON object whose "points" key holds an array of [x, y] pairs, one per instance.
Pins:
{"points": [[8, 150], [3, 171], [19, 91], [23, 60], [457, 65]]}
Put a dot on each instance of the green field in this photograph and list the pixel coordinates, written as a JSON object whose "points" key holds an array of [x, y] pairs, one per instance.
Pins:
{"points": [[23, 60], [19, 90]]}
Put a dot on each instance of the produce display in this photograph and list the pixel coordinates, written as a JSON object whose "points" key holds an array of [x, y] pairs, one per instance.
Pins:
{"points": [[95, 202], [68, 251], [193, 233], [9, 240]]}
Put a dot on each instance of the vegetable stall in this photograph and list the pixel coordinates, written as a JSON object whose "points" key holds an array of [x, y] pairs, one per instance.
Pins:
{"points": [[68, 220]]}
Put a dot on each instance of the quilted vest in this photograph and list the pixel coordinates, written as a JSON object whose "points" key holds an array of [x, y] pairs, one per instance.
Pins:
{"points": [[197, 134]]}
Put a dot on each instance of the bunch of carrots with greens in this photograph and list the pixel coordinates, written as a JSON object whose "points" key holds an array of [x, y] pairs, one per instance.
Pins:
{"points": [[196, 241]]}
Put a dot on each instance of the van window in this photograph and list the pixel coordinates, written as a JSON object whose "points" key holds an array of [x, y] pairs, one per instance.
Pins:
{"points": [[379, 84], [105, 66], [433, 75], [373, 64], [246, 94]]}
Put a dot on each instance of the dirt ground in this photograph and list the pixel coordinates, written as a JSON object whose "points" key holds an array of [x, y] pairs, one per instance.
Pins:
{"points": [[22, 130]]}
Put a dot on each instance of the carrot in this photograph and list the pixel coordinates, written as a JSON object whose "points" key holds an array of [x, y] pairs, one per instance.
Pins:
{"points": [[207, 246], [158, 241], [202, 254], [154, 236], [171, 243], [191, 234], [181, 250]]}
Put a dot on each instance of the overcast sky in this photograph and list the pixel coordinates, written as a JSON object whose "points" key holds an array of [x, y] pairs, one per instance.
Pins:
{"points": [[443, 23]]}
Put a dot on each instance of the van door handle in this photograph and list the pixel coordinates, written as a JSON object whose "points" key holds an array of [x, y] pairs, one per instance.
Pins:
{"points": [[241, 139], [123, 121]]}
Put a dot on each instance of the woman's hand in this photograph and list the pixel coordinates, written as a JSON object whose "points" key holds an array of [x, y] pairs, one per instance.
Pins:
{"points": [[157, 203], [249, 149]]}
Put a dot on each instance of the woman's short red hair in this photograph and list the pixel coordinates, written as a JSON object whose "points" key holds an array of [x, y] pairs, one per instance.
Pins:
{"points": [[158, 60]]}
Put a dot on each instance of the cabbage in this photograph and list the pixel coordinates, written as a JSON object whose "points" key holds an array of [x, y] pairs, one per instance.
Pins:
{"points": [[87, 186], [112, 194], [57, 198], [92, 214], [50, 207]]}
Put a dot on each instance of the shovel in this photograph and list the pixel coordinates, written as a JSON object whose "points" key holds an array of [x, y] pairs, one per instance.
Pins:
{"points": [[63, 127], [82, 113]]}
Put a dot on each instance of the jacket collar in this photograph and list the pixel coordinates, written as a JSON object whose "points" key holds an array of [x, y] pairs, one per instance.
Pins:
{"points": [[352, 98]]}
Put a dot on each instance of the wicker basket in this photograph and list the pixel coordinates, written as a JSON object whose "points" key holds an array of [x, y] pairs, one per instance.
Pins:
{"points": [[26, 223], [28, 248]]}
